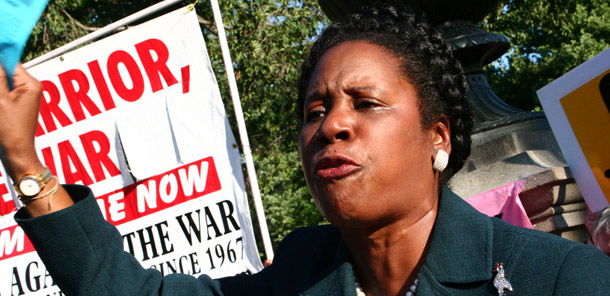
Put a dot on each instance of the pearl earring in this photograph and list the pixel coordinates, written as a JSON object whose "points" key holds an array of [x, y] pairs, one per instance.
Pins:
{"points": [[440, 161]]}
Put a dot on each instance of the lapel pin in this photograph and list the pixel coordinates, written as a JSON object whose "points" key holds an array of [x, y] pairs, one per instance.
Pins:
{"points": [[500, 281]]}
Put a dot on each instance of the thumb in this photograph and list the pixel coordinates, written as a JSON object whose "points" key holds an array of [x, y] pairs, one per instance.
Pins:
{"points": [[3, 83], [22, 78]]}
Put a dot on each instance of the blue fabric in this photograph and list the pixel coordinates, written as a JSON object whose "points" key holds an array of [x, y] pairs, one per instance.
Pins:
{"points": [[17, 19], [84, 254]]}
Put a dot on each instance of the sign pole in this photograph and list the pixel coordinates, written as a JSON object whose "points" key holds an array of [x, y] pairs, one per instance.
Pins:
{"points": [[243, 134]]}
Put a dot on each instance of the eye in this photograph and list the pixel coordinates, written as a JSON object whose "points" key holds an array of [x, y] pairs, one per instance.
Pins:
{"points": [[314, 114], [367, 104]]}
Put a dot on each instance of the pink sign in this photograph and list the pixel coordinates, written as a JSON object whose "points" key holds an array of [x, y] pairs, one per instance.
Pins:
{"points": [[503, 200]]}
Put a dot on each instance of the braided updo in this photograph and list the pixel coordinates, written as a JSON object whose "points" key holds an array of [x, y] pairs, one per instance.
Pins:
{"points": [[427, 63]]}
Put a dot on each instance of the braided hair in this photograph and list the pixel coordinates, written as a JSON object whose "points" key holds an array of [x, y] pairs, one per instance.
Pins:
{"points": [[426, 61]]}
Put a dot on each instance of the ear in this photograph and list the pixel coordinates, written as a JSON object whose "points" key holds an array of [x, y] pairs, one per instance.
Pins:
{"points": [[440, 135]]}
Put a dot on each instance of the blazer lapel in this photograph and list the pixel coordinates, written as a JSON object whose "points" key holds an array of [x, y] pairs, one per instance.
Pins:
{"points": [[459, 253], [337, 279], [460, 247]]}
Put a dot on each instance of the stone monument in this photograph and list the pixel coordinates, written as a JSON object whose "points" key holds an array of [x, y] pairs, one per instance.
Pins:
{"points": [[508, 144]]}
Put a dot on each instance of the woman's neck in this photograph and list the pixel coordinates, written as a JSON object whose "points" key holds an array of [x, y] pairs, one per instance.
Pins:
{"points": [[387, 259]]}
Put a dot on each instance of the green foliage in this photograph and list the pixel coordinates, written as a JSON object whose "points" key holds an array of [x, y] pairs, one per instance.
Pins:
{"points": [[548, 39], [268, 40], [66, 20], [287, 201]]}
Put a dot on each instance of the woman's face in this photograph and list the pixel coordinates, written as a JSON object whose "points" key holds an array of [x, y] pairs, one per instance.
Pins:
{"points": [[366, 158]]}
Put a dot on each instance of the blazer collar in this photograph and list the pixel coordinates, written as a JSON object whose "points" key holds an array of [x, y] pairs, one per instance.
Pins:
{"points": [[460, 251], [460, 246]]}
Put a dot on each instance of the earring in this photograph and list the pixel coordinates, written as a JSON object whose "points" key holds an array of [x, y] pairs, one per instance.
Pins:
{"points": [[440, 161]]}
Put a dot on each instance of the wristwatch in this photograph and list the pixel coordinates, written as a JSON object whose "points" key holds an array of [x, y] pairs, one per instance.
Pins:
{"points": [[31, 185]]}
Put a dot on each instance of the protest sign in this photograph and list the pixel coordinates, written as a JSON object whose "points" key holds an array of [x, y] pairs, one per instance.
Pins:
{"points": [[577, 106], [503, 202], [138, 118]]}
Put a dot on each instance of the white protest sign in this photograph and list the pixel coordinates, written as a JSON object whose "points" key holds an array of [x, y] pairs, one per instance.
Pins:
{"points": [[138, 118], [577, 106]]}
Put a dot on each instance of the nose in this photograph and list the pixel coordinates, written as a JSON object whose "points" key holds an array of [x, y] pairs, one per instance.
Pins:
{"points": [[338, 125]]}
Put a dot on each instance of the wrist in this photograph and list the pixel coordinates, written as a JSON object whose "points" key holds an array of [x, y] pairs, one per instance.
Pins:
{"points": [[21, 163]]}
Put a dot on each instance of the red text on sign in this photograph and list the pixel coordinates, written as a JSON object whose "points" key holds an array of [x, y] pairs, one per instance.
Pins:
{"points": [[13, 242], [6, 202], [160, 192], [123, 75], [97, 148]]}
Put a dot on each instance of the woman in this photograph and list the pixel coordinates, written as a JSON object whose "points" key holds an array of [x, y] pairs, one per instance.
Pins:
{"points": [[600, 229], [382, 104]]}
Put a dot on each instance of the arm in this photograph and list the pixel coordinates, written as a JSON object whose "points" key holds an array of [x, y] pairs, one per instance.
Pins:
{"points": [[85, 256], [585, 271], [19, 113], [82, 251]]}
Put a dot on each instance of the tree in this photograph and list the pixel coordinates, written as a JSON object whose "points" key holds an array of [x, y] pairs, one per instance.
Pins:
{"points": [[268, 40], [66, 20], [548, 38]]}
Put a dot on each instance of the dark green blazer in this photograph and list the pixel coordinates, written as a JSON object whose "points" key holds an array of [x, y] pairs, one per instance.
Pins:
{"points": [[85, 256]]}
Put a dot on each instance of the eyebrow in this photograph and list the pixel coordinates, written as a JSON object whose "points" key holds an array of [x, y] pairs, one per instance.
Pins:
{"points": [[356, 89], [366, 88], [310, 96]]}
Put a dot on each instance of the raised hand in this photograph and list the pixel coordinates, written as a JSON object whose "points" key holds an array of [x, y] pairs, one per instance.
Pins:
{"points": [[18, 119]]}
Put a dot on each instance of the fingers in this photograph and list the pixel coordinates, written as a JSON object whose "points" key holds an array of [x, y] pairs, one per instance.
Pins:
{"points": [[23, 82], [19, 116], [3, 83], [21, 72], [23, 79]]}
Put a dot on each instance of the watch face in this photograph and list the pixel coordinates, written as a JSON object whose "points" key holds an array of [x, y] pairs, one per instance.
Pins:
{"points": [[29, 187]]}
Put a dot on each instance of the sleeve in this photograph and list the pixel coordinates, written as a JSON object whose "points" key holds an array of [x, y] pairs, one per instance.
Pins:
{"points": [[84, 254], [584, 271]]}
